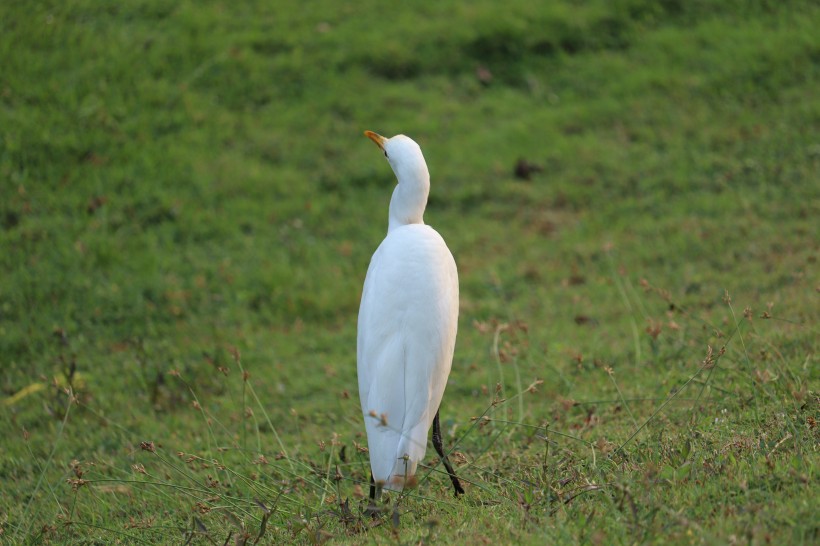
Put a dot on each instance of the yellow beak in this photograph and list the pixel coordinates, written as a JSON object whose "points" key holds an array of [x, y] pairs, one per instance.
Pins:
{"points": [[377, 138]]}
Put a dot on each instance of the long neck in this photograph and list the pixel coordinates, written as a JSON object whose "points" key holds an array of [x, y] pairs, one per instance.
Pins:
{"points": [[409, 197]]}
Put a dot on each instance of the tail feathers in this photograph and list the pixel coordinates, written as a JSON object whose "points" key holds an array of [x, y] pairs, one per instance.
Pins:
{"points": [[395, 455]]}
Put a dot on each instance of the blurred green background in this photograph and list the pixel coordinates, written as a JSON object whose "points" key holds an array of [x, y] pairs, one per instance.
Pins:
{"points": [[180, 181]]}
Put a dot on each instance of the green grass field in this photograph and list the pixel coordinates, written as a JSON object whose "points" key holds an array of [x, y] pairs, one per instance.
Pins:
{"points": [[188, 207]]}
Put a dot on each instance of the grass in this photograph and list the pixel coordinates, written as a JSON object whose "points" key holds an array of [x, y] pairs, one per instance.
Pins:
{"points": [[188, 209]]}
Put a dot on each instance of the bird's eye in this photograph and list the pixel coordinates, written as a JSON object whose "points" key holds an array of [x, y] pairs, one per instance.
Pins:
{"points": [[385, 154]]}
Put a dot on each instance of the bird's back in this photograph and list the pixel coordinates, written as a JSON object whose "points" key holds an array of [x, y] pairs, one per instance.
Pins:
{"points": [[407, 329]]}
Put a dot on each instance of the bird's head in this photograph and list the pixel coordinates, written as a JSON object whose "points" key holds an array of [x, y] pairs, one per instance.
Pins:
{"points": [[403, 154], [410, 195]]}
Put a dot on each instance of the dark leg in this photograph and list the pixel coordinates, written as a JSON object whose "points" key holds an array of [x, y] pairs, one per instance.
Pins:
{"points": [[373, 509], [440, 450]]}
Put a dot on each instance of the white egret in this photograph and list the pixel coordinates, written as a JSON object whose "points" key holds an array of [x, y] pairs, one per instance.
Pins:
{"points": [[408, 320]]}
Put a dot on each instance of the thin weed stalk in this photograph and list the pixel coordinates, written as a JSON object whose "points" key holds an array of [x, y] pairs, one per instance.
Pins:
{"points": [[728, 300], [611, 374], [245, 377], [706, 363], [60, 430], [630, 311]]}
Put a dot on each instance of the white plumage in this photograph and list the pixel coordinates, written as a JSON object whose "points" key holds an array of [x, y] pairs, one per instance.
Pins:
{"points": [[408, 320]]}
